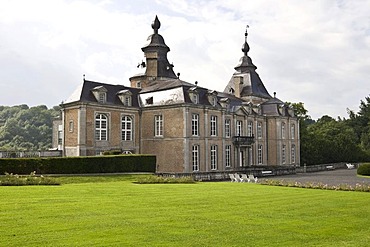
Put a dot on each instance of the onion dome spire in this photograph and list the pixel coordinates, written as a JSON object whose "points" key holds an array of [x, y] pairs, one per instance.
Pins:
{"points": [[156, 25], [245, 47]]}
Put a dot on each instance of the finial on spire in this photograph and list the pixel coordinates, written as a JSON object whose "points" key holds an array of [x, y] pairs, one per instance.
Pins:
{"points": [[156, 25], [245, 47]]}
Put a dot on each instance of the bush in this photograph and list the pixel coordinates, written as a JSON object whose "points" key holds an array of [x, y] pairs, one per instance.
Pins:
{"points": [[112, 152], [32, 179], [165, 180], [80, 165], [364, 169]]}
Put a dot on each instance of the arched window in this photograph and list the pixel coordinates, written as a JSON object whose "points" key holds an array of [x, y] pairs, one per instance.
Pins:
{"points": [[126, 127], [101, 127]]}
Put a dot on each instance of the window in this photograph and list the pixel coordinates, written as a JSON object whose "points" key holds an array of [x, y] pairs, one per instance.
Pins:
{"points": [[227, 128], [195, 157], [260, 155], [259, 130], [239, 128], [213, 157], [283, 155], [293, 153], [227, 155], [60, 137], [250, 128], [213, 125], [194, 98], [138, 84], [158, 128], [127, 101], [126, 127], [102, 97], [70, 126], [125, 97], [193, 94], [292, 131], [283, 130], [214, 101], [101, 127], [195, 125]]}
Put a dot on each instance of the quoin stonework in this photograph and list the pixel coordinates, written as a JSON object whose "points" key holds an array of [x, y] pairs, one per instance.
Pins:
{"points": [[189, 128]]}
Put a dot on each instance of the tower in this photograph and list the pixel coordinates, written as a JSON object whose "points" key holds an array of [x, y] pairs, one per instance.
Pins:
{"points": [[156, 66]]}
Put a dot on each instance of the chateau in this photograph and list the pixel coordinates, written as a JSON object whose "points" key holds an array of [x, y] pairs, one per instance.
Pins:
{"points": [[189, 128]]}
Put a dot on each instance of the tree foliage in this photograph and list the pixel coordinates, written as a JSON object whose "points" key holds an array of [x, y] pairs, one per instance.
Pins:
{"points": [[329, 140], [25, 128]]}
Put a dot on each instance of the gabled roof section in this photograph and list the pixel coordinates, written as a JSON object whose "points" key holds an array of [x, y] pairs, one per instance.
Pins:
{"points": [[85, 93]]}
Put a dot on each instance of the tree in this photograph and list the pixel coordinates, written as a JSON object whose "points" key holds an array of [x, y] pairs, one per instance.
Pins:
{"points": [[24, 128]]}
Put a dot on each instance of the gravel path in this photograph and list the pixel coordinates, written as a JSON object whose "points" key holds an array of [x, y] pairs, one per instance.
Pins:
{"points": [[334, 177]]}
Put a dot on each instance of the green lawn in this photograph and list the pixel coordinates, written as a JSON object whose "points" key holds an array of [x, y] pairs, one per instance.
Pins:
{"points": [[113, 211]]}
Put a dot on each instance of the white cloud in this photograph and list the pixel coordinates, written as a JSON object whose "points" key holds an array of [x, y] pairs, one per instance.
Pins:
{"points": [[316, 52]]}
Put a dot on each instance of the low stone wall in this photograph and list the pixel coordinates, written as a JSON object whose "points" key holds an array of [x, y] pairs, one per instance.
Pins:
{"points": [[260, 171], [322, 167]]}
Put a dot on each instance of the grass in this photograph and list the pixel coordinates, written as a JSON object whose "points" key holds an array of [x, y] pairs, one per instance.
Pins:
{"points": [[113, 211]]}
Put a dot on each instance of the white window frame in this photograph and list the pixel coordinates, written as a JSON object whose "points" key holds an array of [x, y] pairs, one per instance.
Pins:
{"points": [[158, 125], [260, 154], [239, 128], [195, 98], [195, 124], [259, 130], [250, 128], [102, 97], [101, 127], [128, 101], [71, 126], [213, 157], [213, 125], [228, 155], [227, 128], [126, 128], [195, 157]]}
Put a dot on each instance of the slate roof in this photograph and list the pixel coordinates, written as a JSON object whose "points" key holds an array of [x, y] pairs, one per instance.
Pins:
{"points": [[84, 93]]}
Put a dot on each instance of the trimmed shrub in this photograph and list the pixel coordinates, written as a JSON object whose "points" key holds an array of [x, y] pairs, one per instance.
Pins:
{"points": [[165, 180], [364, 169], [32, 179], [80, 165]]}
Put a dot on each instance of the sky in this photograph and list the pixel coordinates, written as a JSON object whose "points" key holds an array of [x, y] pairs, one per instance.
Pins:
{"points": [[315, 51]]}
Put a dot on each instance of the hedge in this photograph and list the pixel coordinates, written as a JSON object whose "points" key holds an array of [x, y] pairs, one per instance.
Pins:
{"points": [[79, 165], [364, 169]]}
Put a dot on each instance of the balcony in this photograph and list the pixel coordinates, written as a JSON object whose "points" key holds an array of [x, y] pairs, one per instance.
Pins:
{"points": [[243, 140]]}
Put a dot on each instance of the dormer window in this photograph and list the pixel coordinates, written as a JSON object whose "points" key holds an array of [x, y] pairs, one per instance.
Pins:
{"points": [[126, 97], [225, 102], [212, 97], [138, 84], [193, 94], [100, 93], [102, 97]]}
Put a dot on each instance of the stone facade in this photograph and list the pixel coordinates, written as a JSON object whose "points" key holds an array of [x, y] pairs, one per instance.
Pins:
{"points": [[189, 128]]}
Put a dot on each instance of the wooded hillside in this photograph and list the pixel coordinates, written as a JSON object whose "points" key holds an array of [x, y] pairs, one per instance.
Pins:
{"points": [[24, 128]]}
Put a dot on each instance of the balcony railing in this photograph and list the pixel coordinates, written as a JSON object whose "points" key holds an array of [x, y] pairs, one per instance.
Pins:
{"points": [[243, 140]]}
